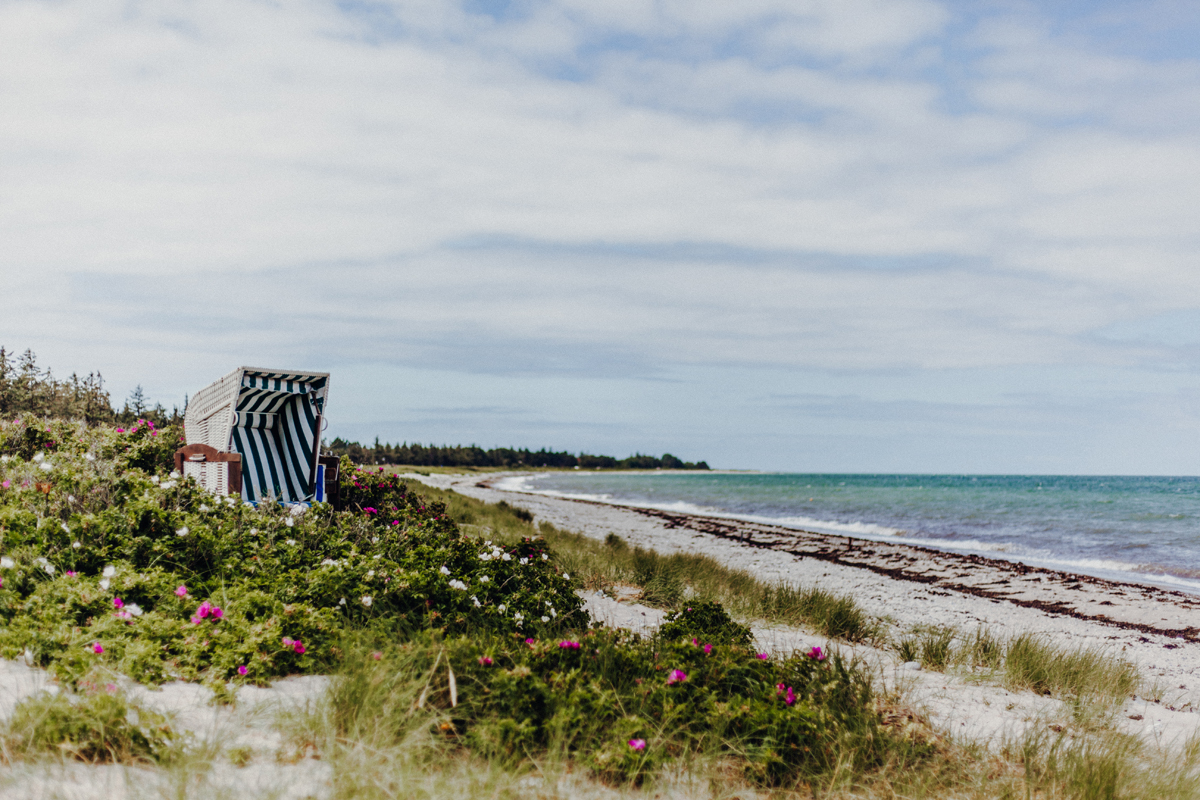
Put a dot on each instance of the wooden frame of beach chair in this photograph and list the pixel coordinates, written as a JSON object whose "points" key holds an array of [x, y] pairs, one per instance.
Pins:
{"points": [[270, 420]]}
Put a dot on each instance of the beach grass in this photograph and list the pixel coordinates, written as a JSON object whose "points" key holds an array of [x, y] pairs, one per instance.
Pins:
{"points": [[666, 580]]}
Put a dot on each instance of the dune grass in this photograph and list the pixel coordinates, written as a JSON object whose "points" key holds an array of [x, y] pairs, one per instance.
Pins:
{"points": [[665, 581], [1024, 662]]}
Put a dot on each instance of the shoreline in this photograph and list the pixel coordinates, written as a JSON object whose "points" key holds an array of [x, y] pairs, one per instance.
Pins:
{"points": [[1092, 598], [908, 586]]}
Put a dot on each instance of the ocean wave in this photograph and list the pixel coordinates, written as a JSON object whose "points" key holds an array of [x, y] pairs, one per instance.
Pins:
{"points": [[1154, 574]]}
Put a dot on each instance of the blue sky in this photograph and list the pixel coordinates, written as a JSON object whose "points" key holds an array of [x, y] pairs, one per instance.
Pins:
{"points": [[816, 235]]}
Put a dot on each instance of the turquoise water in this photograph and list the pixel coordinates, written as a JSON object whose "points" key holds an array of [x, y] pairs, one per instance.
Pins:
{"points": [[1139, 529]]}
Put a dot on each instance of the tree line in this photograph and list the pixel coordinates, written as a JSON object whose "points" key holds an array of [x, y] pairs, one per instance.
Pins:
{"points": [[26, 388], [419, 455]]}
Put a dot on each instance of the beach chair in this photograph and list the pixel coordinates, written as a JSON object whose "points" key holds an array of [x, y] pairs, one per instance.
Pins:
{"points": [[256, 434]]}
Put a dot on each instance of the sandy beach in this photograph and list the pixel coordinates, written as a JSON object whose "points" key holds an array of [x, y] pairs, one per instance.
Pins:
{"points": [[1156, 629]]}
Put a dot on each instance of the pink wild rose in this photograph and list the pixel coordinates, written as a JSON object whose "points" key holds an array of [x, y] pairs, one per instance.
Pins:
{"points": [[637, 744], [816, 653], [181, 591], [242, 670], [97, 648], [118, 602], [676, 676], [485, 661]]}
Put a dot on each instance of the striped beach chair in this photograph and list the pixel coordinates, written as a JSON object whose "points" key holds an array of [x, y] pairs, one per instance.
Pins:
{"points": [[256, 433]]}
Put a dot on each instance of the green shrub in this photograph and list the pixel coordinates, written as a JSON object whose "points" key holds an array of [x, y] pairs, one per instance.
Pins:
{"points": [[590, 697], [705, 620], [94, 520]]}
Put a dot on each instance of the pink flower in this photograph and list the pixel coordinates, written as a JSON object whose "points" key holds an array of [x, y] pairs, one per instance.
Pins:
{"points": [[97, 648], [695, 643], [707, 649], [530, 642], [202, 612], [181, 591], [298, 647], [71, 573], [787, 691], [370, 510], [111, 688], [118, 602], [637, 744], [763, 656], [242, 670], [817, 654], [120, 430], [485, 661], [676, 676], [287, 641], [568, 645], [377, 655], [217, 613], [6, 484]]}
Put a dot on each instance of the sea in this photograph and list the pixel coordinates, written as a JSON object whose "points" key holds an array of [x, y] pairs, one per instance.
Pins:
{"points": [[1126, 528]]}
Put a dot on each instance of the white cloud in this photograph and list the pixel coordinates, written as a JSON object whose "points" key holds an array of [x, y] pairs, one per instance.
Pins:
{"points": [[868, 185]]}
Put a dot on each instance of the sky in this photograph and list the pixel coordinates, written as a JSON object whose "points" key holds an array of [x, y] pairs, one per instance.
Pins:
{"points": [[803, 235]]}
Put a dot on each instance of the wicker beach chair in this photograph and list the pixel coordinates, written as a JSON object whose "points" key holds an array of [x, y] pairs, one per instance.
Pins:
{"points": [[256, 433]]}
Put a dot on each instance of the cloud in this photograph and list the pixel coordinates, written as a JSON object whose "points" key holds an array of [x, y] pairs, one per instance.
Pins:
{"points": [[610, 189]]}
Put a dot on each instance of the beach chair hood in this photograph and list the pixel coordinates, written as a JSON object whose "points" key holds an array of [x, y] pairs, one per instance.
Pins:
{"points": [[272, 419]]}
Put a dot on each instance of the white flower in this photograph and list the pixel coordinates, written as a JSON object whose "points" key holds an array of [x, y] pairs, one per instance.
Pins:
{"points": [[544, 556], [444, 570], [289, 522], [204, 507], [46, 467], [554, 613], [167, 485], [367, 600], [484, 579], [506, 557], [89, 457], [4, 459], [518, 616], [66, 528], [154, 479], [173, 476], [370, 573], [76, 544], [484, 557], [503, 608], [71, 498], [49, 568], [329, 562], [134, 609], [254, 531], [567, 575], [182, 531], [7, 563], [475, 600], [104, 583], [342, 602], [290, 542], [109, 571], [457, 584], [376, 557], [39, 458], [524, 561], [545, 618], [374, 540]]}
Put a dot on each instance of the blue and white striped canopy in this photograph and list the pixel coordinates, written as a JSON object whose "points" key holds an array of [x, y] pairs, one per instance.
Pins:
{"points": [[277, 431]]}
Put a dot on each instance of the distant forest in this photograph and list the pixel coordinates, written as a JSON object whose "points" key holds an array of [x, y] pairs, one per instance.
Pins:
{"points": [[26, 388], [419, 455]]}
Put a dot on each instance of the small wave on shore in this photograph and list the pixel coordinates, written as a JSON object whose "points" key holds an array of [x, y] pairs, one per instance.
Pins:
{"points": [[1060, 530]]}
